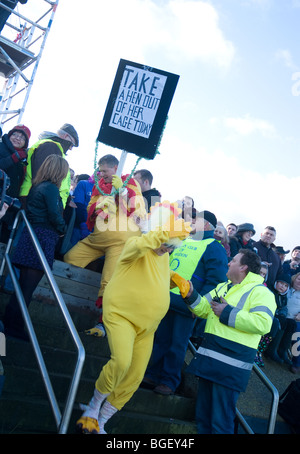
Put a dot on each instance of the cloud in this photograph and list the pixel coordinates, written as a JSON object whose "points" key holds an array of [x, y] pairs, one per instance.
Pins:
{"points": [[248, 125], [287, 58], [194, 33]]}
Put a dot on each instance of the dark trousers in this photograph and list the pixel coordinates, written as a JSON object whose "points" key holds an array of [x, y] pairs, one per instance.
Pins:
{"points": [[169, 349], [215, 408]]}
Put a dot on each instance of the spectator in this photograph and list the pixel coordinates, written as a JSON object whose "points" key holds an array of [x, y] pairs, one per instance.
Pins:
{"points": [[221, 235], [73, 183], [266, 253], [135, 300], [202, 260], [188, 207], [281, 252], [277, 349], [82, 197], [238, 313], [292, 266], [151, 195], [50, 143], [231, 229], [44, 212], [266, 339], [113, 220], [293, 319], [242, 238], [13, 161]]}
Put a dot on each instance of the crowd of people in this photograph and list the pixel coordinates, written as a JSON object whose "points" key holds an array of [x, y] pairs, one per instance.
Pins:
{"points": [[170, 274]]}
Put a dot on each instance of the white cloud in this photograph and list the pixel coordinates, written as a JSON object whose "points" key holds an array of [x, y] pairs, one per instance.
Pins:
{"points": [[287, 58], [195, 33], [248, 125]]}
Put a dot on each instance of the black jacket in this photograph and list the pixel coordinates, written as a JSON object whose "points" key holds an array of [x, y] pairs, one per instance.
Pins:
{"points": [[268, 255], [15, 171], [236, 243], [44, 207], [151, 197]]}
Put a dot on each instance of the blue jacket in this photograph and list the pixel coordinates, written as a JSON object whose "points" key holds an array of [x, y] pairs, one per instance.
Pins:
{"points": [[210, 271]]}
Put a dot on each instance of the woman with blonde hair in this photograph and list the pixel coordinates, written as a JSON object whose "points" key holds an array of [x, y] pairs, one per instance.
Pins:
{"points": [[44, 211]]}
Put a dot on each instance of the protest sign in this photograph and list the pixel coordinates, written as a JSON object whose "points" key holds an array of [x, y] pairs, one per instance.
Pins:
{"points": [[137, 108]]}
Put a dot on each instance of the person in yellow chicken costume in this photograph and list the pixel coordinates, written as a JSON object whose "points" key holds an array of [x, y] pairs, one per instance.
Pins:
{"points": [[113, 212], [135, 300]]}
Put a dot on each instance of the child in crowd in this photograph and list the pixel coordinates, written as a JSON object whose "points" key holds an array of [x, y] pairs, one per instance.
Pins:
{"points": [[44, 211], [277, 349], [266, 339]]}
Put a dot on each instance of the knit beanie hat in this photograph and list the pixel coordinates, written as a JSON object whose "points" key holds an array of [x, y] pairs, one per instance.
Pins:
{"points": [[24, 130], [284, 277]]}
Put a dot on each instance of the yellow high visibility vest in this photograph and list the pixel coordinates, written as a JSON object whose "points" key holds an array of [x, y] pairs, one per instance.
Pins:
{"points": [[184, 260]]}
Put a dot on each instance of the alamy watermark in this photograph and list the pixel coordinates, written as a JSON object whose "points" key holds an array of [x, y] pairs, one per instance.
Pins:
{"points": [[296, 345], [2, 344]]}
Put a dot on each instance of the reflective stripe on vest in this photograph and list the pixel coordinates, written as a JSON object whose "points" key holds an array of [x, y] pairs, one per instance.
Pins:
{"points": [[185, 259], [224, 358], [240, 305]]}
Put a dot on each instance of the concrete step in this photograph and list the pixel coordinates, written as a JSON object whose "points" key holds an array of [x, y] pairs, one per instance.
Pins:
{"points": [[25, 416], [20, 381]]}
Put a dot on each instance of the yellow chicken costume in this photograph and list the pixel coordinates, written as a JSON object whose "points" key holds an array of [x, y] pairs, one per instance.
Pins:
{"points": [[113, 220], [136, 298]]}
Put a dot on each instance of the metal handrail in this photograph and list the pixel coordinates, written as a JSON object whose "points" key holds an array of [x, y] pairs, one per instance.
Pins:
{"points": [[62, 420], [275, 400]]}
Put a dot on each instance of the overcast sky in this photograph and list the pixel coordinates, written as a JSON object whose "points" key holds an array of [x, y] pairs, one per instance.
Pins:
{"points": [[232, 139]]}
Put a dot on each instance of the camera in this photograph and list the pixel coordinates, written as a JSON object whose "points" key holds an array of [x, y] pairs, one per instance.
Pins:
{"points": [[13, 204]]}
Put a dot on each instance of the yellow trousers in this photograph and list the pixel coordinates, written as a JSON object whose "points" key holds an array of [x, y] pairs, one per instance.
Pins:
{"points": [[108, 243], [130, 349]]}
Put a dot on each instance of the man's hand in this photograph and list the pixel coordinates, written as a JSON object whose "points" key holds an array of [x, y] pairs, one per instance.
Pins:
{"points": [[218, 307]]}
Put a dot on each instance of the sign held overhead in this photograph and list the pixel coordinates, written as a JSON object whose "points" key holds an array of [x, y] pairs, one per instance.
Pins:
{"points": [[137, 108]]}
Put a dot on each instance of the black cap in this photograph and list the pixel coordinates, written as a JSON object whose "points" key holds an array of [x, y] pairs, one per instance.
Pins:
{"points": [[209, 217], [280, 250], [69, 129]]}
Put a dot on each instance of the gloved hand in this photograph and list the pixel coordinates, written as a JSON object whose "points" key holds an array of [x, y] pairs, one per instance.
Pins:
{"points": [[108, 205], [178, 229], [182, 284], [19, 155], [117, 182]]}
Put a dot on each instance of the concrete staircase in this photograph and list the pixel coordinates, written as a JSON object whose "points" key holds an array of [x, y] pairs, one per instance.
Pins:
{"points": [[24, 406]]}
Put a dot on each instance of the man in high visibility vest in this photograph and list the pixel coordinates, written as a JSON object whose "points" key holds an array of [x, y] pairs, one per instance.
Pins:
{"points": [[237, 312], [203, 260], [50, 143]]}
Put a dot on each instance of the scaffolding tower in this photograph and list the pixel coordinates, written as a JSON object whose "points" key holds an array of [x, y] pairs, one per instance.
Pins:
{"points": [[22, 41]]}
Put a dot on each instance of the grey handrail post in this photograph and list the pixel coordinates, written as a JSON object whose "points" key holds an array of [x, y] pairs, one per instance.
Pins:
{"points": [[62, 421], [275, 400]]}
